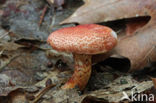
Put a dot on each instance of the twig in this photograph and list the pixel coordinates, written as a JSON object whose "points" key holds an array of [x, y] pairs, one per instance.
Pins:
{"points": [[42, 15], [2, 36], [53, 21], [8, 62], [43, 92], [1, 52]]}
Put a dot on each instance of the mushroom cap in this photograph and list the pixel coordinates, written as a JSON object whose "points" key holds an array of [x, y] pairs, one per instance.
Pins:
{"points": [[83, 39]]}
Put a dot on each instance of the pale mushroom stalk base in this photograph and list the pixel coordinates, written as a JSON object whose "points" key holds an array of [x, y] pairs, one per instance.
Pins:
{"points": [[82, 72]]}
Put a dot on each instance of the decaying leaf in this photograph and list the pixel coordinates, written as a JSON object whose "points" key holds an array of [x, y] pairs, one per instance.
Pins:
{"points": [[17, 97], [102, 11], [5, 45], [134, 24], [9, 46], [111, 93], [5, 86], [115, 91], [57, 94], [32, 60], [5, 61], [139, 49]]}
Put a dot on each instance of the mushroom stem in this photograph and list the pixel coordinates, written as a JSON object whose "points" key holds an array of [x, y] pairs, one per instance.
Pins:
{"points": [[81, 73]]}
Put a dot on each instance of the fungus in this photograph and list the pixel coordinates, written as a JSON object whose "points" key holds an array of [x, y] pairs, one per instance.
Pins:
{"points": [[82, 41]]}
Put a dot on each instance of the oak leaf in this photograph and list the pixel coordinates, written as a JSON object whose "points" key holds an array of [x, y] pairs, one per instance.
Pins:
{"points": [[94, 11]]}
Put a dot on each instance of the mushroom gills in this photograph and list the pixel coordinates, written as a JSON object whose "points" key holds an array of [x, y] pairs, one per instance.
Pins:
{"points": [[82, 72]]}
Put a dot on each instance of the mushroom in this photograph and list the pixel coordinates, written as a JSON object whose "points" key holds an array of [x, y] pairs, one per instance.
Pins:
{"points": [[82, 41]]}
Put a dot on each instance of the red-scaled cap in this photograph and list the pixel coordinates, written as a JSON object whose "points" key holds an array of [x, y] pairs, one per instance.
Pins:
{"points": [[83, 39]]}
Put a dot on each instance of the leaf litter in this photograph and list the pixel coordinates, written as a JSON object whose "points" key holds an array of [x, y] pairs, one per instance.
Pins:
{"points": [[25, 54]]}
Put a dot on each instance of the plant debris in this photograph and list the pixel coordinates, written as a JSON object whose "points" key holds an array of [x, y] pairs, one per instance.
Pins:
{"points": [[32, 71]]}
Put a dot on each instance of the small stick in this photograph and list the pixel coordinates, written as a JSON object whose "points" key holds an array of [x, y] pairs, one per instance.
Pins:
{"points": [[8, 62], [43, 14], [2, 36], [43, 92]]}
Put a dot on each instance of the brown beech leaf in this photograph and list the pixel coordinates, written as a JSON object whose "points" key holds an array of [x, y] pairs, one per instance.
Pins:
{"points": [[94, 11], [133, 24], [140, 49]]}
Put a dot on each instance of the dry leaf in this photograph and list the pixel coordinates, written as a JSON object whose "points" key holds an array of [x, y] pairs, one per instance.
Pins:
{"points": [[9, 46], [134, 24], [108, 10], [115, 90], [17, 97], [5, 86], [140, 48]]}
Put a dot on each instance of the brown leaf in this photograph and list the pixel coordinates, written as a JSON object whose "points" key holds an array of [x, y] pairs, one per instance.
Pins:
{"points": [[108, 10], [17, 97], [5, 60], [9, 46], [5, 87], [139, 49], [115, 91], [134, 24], [154, 81]]}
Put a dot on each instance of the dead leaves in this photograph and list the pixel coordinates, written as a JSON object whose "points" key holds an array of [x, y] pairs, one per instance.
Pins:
{"points": [[4, 84], [23, 60], [115, 90], [102, 11], [140, 48]]}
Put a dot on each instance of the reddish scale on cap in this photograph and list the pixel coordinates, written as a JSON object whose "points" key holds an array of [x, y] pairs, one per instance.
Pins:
{"points": [[83, 39]]}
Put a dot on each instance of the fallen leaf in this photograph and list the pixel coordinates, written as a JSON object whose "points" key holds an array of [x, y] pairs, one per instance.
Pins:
{"points": [[108, 10], [5, 61], [115, 90], [17, 97], [134, 24], [140, 48], [5, 87], [9, 46]]}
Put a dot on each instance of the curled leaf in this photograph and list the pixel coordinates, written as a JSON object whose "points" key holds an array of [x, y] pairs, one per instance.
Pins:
{"points": [[108, 10]]}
